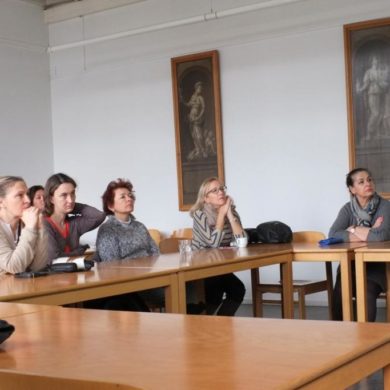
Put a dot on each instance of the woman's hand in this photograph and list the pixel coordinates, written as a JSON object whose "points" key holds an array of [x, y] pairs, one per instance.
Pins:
{"points": [[378, 222], [30, 217], [227, 207]]}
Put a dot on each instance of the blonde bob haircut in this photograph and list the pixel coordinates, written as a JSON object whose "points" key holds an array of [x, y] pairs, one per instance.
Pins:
{"points": [[203, 189]]}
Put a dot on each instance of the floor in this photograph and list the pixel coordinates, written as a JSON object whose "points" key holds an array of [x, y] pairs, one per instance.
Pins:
{"points": [[373, 382]]}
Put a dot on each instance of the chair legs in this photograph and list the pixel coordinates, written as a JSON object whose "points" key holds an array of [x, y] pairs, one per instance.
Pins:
{"points": [[257, 294], [301, 305]]}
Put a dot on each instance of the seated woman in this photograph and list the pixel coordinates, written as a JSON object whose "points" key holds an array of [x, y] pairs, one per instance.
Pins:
{"points": [[122, 236], [365, 218], [37, 198], [23, 241], [66, 221], [216, 222]]}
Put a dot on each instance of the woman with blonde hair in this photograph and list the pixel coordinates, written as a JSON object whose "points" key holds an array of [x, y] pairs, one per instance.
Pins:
{"points": [[216, 224], [23, 241]]}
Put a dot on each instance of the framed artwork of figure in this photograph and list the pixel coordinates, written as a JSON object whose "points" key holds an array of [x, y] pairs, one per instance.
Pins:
{"points": [[367, 58], [198, 129]]}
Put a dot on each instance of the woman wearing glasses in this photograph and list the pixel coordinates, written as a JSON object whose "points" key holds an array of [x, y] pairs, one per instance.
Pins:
{"points": [[216, 223]]}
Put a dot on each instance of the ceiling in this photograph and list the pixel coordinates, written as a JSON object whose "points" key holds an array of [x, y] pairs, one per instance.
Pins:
{"points": [[58, 10]]}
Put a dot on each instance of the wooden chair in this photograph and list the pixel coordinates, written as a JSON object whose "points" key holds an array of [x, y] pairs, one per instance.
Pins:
{"points": [[301, 287], [156, 235], [169, 245], [183, 233]]}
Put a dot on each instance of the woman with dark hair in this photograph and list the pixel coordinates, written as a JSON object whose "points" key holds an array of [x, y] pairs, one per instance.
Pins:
{"points": [[37, 198], [66, 221], [365, 218], [122, 236], [216, 222], [23, 241]]}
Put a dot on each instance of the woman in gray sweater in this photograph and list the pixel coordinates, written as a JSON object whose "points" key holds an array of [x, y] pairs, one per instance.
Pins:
{"points": [[365, 218], [122, 236]]}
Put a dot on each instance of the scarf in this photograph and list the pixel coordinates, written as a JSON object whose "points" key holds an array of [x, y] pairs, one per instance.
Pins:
{"points": [[364, 216], [211, 214]]}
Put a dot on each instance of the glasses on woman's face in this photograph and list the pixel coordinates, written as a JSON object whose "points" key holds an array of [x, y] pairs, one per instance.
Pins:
{"points": [[216, 190]]}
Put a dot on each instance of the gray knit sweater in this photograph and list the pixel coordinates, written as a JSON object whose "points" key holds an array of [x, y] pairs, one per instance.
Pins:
{"points": [[120, 240]]}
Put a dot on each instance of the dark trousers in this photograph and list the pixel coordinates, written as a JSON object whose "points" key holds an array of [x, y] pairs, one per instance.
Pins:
{"points": [[218, 286], [125, 302], [374, 288]]}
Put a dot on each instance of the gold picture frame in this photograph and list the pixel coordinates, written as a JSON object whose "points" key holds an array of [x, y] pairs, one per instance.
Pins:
{"points": [[198, 125], [367, 60]]}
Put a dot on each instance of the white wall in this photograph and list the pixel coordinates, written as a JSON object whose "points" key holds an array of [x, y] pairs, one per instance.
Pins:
{"points": [[283, 108], [26, 147]]}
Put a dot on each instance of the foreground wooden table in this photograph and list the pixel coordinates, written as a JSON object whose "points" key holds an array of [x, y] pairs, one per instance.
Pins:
{"points": [[373, 252], [343, 253], [105, 279], [67, 348]]}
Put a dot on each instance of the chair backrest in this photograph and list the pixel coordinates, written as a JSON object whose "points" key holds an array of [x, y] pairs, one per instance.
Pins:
{"points": [[156, 235], [183, 233], [308, 236], [169, 245]]}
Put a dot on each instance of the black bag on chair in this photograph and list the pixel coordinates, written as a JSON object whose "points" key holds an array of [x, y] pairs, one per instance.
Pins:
{"points": [[6, 330], [274, 232]]}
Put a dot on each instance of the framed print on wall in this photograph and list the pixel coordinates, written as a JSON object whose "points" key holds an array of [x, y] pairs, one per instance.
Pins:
{"points": [[367, 58], [198, 128]]}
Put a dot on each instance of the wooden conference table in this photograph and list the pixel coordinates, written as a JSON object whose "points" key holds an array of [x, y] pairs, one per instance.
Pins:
{"points": [[81, 349], [372, 252], [213, 262], [168, 271], [343, 253], [311, 252], [104, 280], [174, 270]]}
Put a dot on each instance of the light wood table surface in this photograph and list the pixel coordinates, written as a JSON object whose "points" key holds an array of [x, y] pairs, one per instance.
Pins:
{"points": [[343, 253], [81, 349], [213, 262], [105, 279], [372, 252]]}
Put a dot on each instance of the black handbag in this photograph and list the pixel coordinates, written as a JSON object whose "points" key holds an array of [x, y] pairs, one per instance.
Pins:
{"points": [[274, 232], [253, 238], [6, 330]]}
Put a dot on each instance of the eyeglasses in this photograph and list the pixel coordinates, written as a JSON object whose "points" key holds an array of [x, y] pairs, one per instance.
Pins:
{"points": [[216, 190]]}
